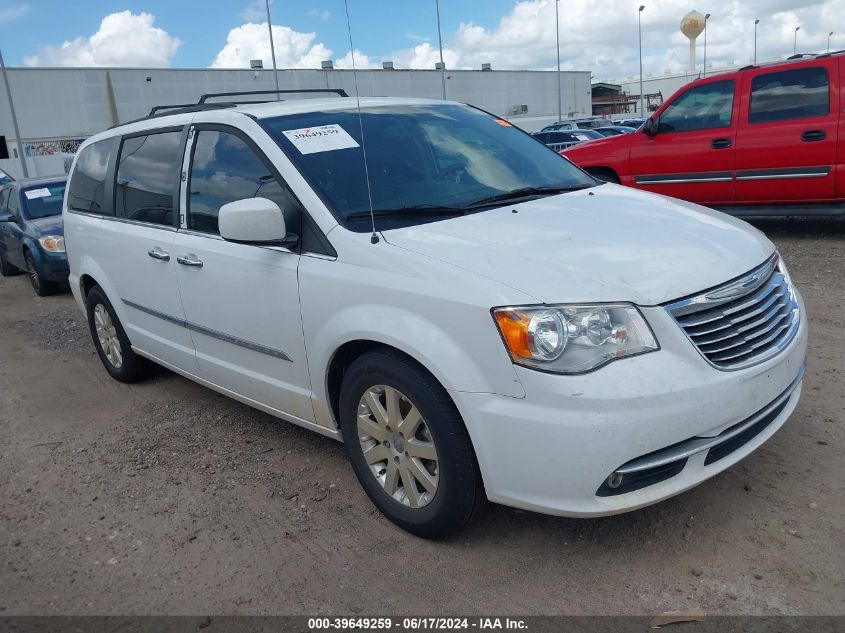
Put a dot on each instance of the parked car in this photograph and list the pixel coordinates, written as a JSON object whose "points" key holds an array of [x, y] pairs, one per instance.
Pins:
{"points": [[5, 179], [31, 235], [615, 130], [475, 317], [589, 123], [634, 123], [761, 140], [560, 140]]}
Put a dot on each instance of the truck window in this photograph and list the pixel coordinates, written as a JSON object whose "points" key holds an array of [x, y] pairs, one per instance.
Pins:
{"points": [[86, 190], [147, 177], [700, 108], [789, 94]]}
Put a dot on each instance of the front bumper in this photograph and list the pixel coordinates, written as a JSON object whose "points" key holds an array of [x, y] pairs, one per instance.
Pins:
{"points": [[52, 266], [554, 450]]}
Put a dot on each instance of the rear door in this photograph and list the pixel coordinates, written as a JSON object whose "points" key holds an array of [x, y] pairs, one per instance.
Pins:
{"points": [[692, 154], [133, 240], [241, 300], [786, 142], [11, 232]]}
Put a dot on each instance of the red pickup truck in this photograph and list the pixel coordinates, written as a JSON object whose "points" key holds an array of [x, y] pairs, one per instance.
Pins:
{"points": [[761, 140]]}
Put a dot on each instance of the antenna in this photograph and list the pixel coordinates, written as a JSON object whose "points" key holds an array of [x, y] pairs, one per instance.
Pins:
{"points": [[374, 237]]}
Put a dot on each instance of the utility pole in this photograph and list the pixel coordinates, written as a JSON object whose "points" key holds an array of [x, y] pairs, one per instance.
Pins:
{"points": [[706, 17], [14, 118], [756, 22], [272, 46], [440, 40], [640, 31], [557, 36]]}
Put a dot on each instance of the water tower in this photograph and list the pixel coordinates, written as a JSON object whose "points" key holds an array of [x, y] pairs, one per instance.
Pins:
{"points": [[692, 25]]}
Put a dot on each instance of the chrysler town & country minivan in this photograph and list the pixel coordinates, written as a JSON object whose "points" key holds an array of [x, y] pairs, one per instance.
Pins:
{"points": [[472, 315]]}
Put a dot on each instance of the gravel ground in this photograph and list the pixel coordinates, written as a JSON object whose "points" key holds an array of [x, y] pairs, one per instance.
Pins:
{"points": [[164, 497]]}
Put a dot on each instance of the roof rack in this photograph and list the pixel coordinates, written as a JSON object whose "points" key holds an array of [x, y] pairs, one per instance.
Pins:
{"points": [[203, 99], [180, 108]]}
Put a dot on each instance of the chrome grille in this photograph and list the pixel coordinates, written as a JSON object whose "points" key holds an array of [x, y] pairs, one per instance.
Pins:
{"points": [[743, 322]]}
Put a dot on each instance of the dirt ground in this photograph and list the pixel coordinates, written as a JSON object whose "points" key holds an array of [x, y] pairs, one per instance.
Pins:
{"points": [[166, 498]]}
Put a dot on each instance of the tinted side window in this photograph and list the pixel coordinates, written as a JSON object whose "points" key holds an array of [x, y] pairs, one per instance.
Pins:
{"points": [[147, 177], [790, 94], [4, 198], [700, 108], [225, 169], [88, 183]]}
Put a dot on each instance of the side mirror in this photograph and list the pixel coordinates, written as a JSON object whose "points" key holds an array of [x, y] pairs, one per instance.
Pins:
{"points": [[254, 221], [650, 127], [6, 216]]}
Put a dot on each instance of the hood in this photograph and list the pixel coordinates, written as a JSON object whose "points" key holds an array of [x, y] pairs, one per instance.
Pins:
{"points": [[51, 225], [600, 144], [608, 243]]}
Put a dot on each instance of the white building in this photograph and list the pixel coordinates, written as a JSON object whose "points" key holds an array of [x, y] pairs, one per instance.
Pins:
{"points": [[58, 107]]}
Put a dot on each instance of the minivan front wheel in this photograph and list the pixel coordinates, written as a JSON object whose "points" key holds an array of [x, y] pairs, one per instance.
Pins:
{"points": [[408, 445], [110, 340]]}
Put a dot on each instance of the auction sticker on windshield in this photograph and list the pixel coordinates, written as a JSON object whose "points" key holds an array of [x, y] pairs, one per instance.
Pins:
{"points": [[324, 138], [32, 194]]}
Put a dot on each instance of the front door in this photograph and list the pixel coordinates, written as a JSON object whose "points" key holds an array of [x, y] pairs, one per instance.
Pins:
{"points": [[786, 144], [692, 154], [241, 301]]}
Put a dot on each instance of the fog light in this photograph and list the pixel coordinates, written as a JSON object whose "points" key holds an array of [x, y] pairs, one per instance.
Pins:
{"points": [[615, 480]]}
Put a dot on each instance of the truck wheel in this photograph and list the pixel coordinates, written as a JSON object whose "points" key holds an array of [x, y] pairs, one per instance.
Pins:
{"points": [[408, 445], [113, 346]]}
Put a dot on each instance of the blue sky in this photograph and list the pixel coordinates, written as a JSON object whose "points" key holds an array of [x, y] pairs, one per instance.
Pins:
{"points": [[595, 35], [379, 26]]}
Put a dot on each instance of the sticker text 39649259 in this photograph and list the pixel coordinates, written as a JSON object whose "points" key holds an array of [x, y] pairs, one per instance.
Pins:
{"points": [[324, 138]]}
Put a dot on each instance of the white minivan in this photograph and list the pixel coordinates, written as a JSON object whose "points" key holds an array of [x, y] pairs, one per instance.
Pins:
{"points": [[472, 315]]}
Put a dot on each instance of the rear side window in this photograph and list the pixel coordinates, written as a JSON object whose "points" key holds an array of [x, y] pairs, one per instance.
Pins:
{"points": [[225, 169], [148, 172], [789, 94], [88, 183], [700, 108]]}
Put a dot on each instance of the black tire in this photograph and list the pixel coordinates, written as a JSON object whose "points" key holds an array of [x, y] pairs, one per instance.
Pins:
{"points": [[41, 286], [459, 494], [6, 269], [606, 175], [132, 367]]}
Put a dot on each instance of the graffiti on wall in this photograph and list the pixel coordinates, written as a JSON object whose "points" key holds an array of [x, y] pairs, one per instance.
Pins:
{"points": [[49, 148]]}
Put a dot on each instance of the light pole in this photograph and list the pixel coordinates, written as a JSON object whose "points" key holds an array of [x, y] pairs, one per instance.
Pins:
{"points": [[14, 118], [440, 40], [795, 41], [828, 41], [706, 17], [756, 22], [640, 33], [272, 47], [557, 36]]}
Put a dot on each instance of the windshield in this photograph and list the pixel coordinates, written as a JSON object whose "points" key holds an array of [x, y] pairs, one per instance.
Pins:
{"points": [[425, 162], [42, 201]]}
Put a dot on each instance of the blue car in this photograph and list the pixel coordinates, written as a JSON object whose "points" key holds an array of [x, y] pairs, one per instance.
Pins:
{"points": [[31, 232]]}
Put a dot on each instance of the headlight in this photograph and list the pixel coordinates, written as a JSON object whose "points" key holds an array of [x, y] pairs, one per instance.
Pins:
{"points": [[571, 339], [52, 243]]}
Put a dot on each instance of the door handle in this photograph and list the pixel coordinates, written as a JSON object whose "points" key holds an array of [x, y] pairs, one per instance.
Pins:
{"points": [[190, 260], [720, 143], [813, 135], [157, 253]]}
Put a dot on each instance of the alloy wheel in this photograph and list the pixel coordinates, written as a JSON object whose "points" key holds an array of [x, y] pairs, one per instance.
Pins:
{"points": [[34, 279], [107, 336], [398, 446]]}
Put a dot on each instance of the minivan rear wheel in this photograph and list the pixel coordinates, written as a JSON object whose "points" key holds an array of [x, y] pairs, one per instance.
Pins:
{"points": [[408, 446], [110, 340]]}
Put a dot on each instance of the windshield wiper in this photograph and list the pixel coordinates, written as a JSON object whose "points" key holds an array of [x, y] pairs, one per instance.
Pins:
{"points": [[525, 192], [417, 210]]}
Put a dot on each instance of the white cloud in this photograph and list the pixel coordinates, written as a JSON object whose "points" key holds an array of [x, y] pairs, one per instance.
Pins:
{"points": [[252, 41], [255, 11], [123, 39], [425, 56], [361, 61], [11, 14]]}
